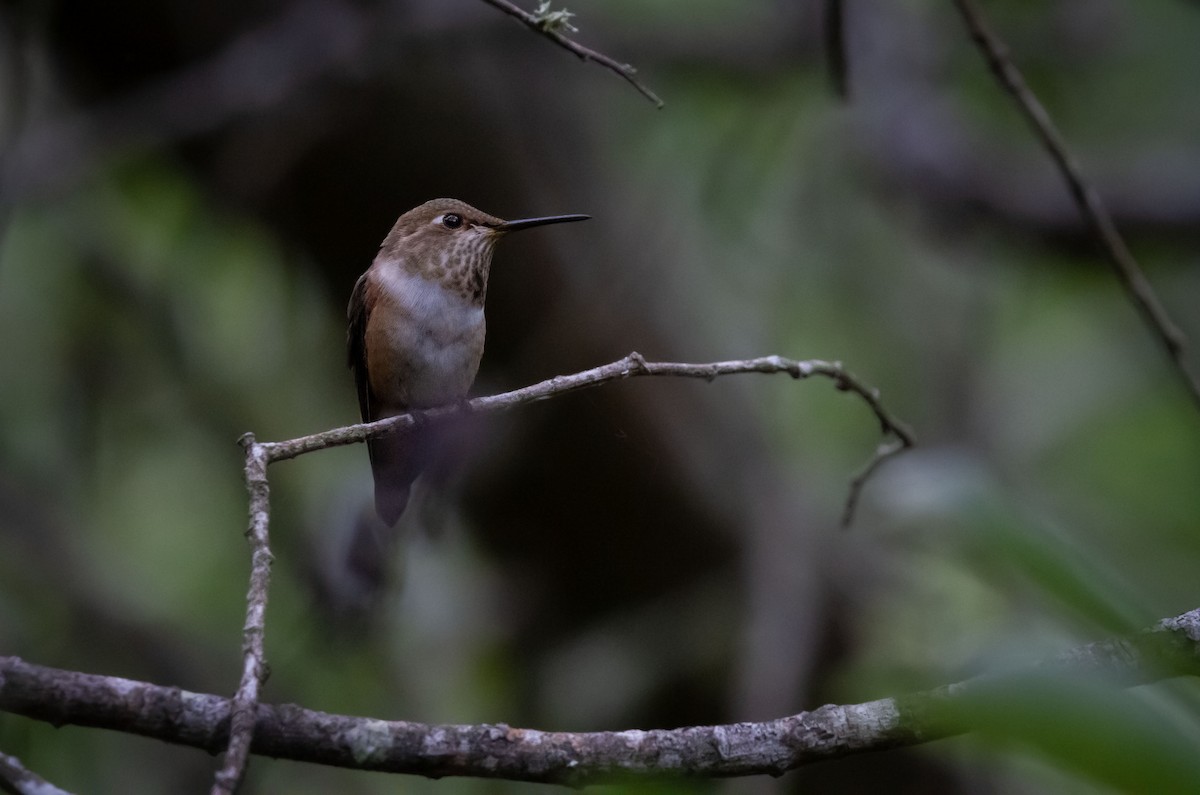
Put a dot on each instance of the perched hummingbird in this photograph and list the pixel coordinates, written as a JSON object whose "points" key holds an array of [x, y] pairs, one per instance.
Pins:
{"points": [[417, 327]]}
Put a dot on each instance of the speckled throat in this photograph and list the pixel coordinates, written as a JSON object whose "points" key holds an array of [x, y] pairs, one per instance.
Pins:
{"points": [[461, 264], [457, 256]]}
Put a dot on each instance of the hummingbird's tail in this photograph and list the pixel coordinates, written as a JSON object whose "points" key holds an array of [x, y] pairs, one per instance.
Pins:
{"points": [[396, 461], [360, 561]]}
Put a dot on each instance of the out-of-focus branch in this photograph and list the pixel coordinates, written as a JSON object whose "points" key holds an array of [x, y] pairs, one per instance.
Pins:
{"points": [[18, 779], [262, 69], [1126, 267], [835, 47], [538, 25], [1169, 648]]}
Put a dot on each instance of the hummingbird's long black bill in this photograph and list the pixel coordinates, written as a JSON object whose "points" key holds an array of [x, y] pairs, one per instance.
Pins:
{"points": [[526, 223]]}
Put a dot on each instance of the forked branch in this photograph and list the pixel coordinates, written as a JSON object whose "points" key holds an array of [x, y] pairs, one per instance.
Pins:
{"points": [[259, 455]]}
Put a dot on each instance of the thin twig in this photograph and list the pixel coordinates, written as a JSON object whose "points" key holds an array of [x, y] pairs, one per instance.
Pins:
{"points": [[883, 452], [1126, 267], [533, 23], [1170, 648], [631, 366], [244, 705]]}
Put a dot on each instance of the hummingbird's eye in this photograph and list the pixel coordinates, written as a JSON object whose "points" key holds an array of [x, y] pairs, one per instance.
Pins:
{"points": [[452, 221]]}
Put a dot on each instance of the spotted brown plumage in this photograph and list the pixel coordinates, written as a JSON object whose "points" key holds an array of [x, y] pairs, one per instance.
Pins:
{"points": [[416, 329]]}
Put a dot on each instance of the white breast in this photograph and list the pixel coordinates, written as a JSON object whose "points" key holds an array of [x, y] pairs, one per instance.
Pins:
{"points": [[442, 334]]}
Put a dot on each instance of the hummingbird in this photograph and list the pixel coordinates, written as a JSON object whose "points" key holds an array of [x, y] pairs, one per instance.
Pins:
{"points": [[416, 329]]}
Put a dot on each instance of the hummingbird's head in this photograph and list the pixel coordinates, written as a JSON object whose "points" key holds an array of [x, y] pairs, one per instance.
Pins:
{"points": [[453, 224], [442, 226], [451, 241]]}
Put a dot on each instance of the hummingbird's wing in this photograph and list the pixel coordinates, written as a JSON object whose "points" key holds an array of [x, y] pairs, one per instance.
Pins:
{"points": [[396, 460], [358, 312]]}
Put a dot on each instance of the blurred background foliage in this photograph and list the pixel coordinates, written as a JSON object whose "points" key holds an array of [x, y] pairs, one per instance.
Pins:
{"points": [[188, 192]]}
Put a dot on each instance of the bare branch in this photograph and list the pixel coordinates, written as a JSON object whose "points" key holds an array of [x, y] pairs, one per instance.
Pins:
{"points": [[1128, 272], [254, 665], [1169, 648], [631, 366], [260, 455], [538, 26]]}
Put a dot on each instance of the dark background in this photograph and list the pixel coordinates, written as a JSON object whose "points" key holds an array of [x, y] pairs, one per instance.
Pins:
{"points": [[190, 190]]}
